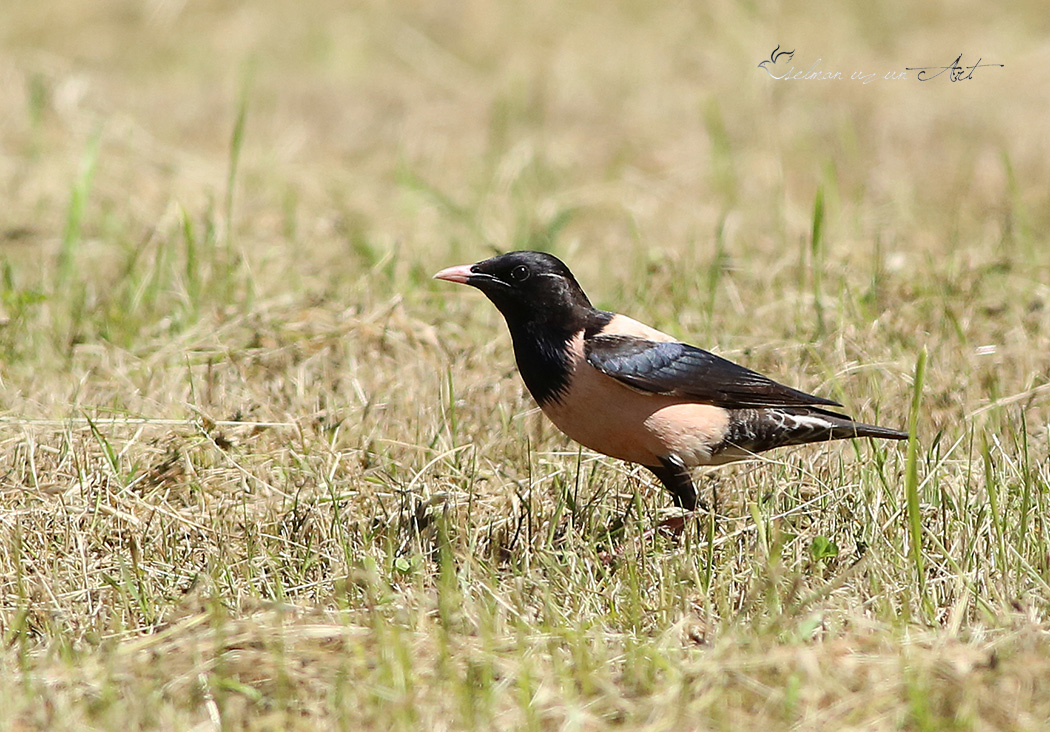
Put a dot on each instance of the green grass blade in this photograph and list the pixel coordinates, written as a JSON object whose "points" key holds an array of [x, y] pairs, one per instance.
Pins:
{"points": [[816, 258], [71, 236], [236, 145], [911, 481]]}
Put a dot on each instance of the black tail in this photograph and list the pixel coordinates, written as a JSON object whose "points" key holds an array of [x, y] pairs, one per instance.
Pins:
{"points": [[842, 427], [758, 430], [859, 429]]}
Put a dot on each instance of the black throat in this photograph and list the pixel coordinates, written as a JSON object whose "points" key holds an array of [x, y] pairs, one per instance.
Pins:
{"points": [[541, 349], [545, 308]]}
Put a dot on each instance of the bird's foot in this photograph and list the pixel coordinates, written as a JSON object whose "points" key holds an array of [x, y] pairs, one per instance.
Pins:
{"points": [[671, 528], [674, 526]]}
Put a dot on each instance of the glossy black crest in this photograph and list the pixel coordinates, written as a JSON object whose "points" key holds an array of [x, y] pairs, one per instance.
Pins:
{"points": [[530, 286]]}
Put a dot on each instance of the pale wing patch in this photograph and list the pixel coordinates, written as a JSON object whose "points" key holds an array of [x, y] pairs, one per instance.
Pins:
{"points": [[622, 325]]}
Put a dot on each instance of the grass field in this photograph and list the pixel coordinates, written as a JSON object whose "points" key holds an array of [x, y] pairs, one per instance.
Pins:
{"points": [[258, 471]]}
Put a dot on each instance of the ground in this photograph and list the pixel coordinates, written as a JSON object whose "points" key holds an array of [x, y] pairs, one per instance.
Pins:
{"points": [[259, 471]]}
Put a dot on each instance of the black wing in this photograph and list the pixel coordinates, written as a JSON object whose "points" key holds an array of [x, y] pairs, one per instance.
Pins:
{"points": [[678, 369]]}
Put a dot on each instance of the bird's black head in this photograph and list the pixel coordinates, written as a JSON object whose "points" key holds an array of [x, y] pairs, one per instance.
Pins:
{"points": [[544, 308], [527, 287]]}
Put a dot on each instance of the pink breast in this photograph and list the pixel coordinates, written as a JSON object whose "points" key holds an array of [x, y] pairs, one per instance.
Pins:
{"points": [[604, 415]]}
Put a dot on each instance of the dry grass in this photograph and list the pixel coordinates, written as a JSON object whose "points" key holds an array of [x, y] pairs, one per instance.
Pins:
{"points": [[259, 472]]}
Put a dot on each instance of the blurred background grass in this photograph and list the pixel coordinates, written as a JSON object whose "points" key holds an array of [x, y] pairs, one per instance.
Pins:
{"points": [[226, 215], [621, 135]]}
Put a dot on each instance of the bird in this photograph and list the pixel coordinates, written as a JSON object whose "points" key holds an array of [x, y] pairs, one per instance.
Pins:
{"points": [[632, 392]]}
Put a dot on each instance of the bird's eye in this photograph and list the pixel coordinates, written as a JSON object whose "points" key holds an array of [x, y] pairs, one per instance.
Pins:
{"points": [[520, 273]]}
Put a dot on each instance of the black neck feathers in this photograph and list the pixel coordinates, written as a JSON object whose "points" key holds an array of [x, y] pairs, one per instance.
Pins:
{"points": [[543, 352], [544, 307]]}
